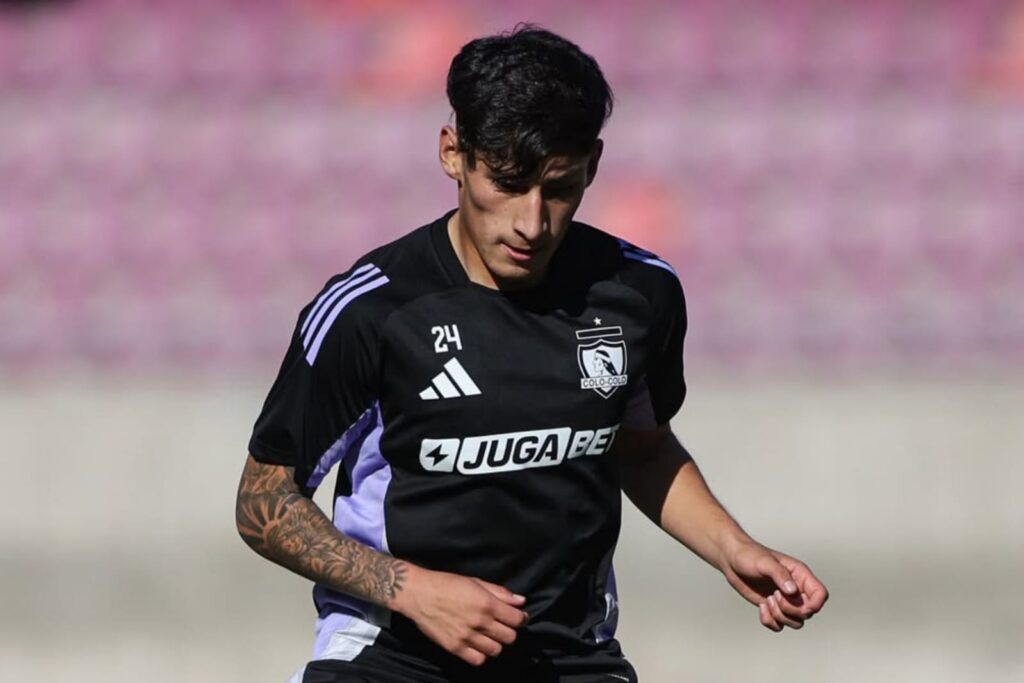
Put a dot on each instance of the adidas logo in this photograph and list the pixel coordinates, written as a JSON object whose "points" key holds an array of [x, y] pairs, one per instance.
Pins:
{"points": [[452, 382]]}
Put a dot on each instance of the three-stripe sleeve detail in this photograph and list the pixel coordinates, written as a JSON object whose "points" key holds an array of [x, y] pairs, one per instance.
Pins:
{"points": [[332, 302], [635, 253], [325, 299]]}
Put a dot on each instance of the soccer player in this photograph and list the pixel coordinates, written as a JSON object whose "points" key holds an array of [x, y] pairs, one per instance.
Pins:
{"points": [[487, 386]]}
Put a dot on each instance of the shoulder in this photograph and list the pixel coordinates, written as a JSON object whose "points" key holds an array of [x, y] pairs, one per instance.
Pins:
{"points": [[608, 257], [354, 305]]}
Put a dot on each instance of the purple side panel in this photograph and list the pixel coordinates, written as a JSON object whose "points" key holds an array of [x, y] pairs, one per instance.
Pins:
{"points": [[350, 441], [606, 629], [361, 517], [361, 514], [327, 625]]}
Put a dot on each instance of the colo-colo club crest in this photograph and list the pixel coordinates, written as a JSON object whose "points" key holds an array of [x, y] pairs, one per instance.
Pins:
{"points": [[601, 355]]}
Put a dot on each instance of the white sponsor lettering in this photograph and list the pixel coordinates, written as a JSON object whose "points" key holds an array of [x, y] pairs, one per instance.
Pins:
{"points": [[586, 442], [513, 451], [602, 442], [580, 443]]}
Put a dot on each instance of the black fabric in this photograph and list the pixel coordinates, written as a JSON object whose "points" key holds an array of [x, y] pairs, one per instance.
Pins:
{"points": [[394, 660], [508, 483]]}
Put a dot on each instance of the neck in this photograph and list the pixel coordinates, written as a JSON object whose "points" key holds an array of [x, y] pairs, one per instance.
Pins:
{"points": [[467, 254]]}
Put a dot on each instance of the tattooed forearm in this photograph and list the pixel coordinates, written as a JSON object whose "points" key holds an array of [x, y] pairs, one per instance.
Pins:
{"points": [[284, 526]]}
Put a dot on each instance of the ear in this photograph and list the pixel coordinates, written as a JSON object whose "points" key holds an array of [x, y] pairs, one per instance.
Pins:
{"points": [[595, 160], [448, 153]]}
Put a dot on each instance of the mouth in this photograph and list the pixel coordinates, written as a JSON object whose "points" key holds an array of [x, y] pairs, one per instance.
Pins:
{"points": [[521, 254]]}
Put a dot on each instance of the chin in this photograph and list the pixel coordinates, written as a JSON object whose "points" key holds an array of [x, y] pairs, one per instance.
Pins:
{"points": [[515, 276]]}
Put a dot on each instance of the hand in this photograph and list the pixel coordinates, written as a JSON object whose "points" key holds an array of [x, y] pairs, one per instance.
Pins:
{"points": [[470, 618], [785, 591]]}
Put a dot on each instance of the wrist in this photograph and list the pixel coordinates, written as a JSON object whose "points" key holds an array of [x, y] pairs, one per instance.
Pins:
{"points": [[407, 577], [729, 543]]}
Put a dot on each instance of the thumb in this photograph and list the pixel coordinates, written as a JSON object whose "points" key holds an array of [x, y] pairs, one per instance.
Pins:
{"points": [[780, 575], [502, 593]]}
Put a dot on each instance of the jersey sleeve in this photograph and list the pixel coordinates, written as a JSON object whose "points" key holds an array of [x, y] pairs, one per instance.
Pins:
{"points": [[322, 399], [657, 397]]}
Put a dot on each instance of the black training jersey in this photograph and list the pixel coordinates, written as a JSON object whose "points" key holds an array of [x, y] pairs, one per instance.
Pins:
{"points": [[471, 426]]}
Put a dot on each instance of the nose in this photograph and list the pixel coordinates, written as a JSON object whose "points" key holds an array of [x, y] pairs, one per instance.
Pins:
{"points": [[532, 219]]}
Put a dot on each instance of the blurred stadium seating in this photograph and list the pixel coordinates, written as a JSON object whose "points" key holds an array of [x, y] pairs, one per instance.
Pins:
{"points": [[840, 184]]}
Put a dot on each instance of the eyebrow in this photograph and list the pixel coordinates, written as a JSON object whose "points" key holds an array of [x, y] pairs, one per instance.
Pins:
{"points": [[565, 173], [554, 180]]}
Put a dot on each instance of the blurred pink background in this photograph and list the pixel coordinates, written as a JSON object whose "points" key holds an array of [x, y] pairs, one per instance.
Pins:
{"points": [[839, 184]]}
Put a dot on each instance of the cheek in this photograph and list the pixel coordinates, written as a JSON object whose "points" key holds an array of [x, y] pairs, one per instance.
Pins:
{"points": [[563, 210], [482, 197], [561, 213]]}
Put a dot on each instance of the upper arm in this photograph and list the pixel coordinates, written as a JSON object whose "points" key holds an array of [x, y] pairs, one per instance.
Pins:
{"points": [[647, 462], [634, 444], [638, 448], [261, 478], [263, 494], [659, 389]]}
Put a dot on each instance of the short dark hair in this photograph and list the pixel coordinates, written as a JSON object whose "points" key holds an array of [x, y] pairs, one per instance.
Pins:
{"points": [[523, 96]]}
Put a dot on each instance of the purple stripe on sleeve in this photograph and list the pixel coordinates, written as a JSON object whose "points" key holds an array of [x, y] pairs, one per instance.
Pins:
{"points": [[313, 321], [322, 301], [314, 349], [657, 263], [635, 253]]}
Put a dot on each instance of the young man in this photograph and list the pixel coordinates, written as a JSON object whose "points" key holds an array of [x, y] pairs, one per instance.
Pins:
{"points": [[487, 385]]}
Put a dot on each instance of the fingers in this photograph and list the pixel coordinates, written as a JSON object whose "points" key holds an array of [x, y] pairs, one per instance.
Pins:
{"points": [[507, 610], [500, 633], [470, 656], [812, 590], [766, 617], [769, 622], [784, 612], [799, 596], [485, 645], [502, 593], [486, 641], [469, 618], [815, 592], [773, 618], [508, 615], [478, 648], [779, 611], [493, 629], [497, 622], [772, 568]]}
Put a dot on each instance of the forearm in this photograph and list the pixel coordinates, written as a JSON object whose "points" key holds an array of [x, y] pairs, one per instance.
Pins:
{"points": [[664, 482], [284, 526], [661, 478], [692, 515]]}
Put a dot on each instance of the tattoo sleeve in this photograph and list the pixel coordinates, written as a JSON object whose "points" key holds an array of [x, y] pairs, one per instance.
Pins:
{"points": [[281, 524]]}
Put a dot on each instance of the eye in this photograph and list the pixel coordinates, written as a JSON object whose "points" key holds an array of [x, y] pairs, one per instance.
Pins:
{"points": [[560, 191], [509, 186]]}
